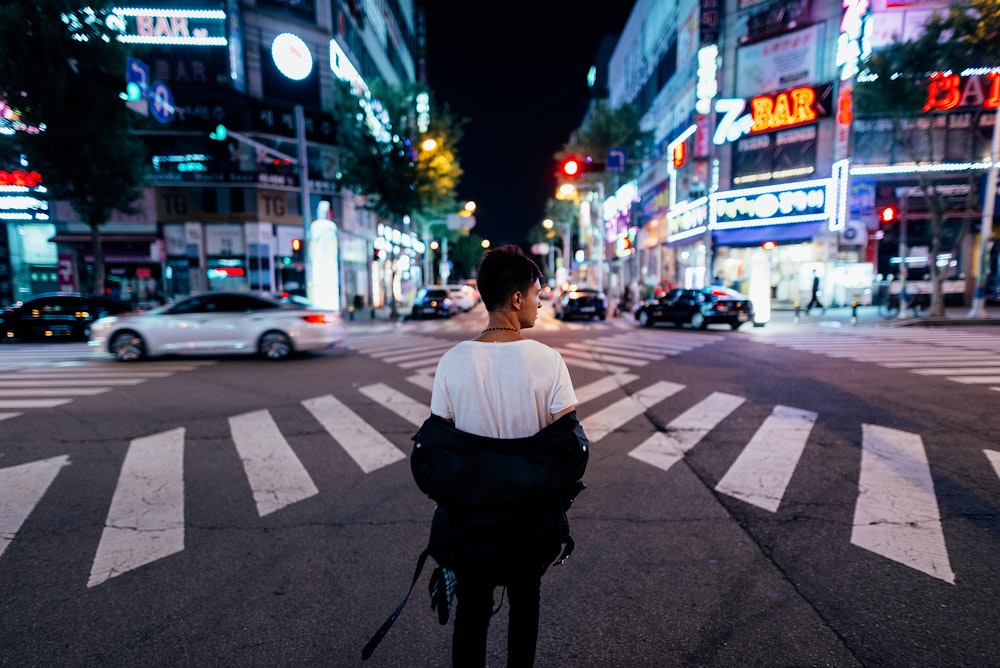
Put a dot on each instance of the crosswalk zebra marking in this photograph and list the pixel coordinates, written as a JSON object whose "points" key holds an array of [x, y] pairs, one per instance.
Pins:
{"points": [[276, 476], [975, 380], [948, 371], [21, 488], [76, 382], [603, 422], [896, 514], [971, 362], [7, 416], [423, 352], [994, 458], [146, 518], [763, 469], [664, 449], [409, 409], [422, 380], [615, 350], [53, 391], [362, 442], [33, 403], [573, 359], [603, 386]]}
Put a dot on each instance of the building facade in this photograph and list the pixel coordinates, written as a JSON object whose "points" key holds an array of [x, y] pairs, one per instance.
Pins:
{"points": [[234, 104]]}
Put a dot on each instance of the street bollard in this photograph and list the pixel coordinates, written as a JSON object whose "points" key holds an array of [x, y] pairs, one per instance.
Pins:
{"points": [[797, 307], [854, 312]]}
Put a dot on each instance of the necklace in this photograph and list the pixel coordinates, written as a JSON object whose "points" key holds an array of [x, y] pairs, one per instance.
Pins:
{"points": [[499, 329]]}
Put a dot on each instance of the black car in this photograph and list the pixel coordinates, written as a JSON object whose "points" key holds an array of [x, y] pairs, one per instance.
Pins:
{"points": [[698, 308], [580, 302], [433, 302], [50, 316]]}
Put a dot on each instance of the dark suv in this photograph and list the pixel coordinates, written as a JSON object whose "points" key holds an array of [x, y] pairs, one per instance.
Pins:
{"points": [[580, 302], [698, 308], [51, 316], [433, 302]]}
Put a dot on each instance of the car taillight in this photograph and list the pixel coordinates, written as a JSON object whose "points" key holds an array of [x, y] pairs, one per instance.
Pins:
{"points": [[318, 318]]}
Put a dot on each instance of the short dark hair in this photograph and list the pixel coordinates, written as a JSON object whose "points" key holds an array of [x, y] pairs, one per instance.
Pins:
{"points": [[503, 271]]}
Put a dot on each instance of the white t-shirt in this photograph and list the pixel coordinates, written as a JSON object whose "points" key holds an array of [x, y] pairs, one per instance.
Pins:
{"points": [[501, 390]]}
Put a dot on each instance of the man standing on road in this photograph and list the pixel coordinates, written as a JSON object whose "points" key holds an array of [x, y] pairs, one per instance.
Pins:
{"points": [[504, 417]]}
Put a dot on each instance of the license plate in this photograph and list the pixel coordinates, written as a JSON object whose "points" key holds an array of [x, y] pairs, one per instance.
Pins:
{"points": [[587, 309], [744, 317]]}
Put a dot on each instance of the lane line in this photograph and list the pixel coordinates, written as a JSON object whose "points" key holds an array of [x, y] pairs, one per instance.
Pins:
{"points": [[146, 518], [603, 422], [360, 440], [896, 514], [276, 476], [664, 449], [761, 473], [21, 488], [409, 409]]}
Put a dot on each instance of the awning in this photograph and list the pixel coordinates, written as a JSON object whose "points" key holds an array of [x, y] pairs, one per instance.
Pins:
{"points": [[84, 238], [782, 234]]}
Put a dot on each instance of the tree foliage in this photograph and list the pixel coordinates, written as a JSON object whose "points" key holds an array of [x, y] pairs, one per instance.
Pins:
{"points": [[893, 86], [383, 156], [63, 69]]}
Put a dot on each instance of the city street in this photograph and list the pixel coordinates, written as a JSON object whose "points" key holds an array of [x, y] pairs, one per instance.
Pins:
{"points": [[812, 492]]}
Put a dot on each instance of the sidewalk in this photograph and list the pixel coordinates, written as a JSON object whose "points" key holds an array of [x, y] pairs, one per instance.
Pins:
{"points": [[869, 316]]}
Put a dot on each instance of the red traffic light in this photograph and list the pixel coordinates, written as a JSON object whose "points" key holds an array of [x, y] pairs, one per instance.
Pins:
{"points": [[888, 214], [296, 245], [571, 167]]}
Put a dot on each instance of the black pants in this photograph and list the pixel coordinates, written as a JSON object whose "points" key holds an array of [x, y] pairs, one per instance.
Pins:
{"points": [[813, 302], [472, 620]]}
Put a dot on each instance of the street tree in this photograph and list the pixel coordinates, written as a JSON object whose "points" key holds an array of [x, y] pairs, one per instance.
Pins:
{"points": [[63, 69], [604, 128], [896, 88]]}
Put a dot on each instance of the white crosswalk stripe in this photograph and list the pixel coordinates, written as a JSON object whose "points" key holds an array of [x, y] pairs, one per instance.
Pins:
{"points": [[966, 356], [896, 514]]}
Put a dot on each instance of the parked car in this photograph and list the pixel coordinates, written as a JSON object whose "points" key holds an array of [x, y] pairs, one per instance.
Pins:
{"points": [[698, 308], [580, 302], [463, 295], [433, 301], [219, 322], [51, 316]]}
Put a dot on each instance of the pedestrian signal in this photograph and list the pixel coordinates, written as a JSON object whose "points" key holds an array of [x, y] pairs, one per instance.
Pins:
{"points": [[888, 214]]}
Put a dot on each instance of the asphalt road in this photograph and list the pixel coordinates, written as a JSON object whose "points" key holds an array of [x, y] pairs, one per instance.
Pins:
{"points": [[795, 495]]}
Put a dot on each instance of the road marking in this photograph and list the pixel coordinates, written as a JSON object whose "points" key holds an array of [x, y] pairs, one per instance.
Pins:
{"points": [[366, 446], [896, 514], [994, 458], [21, 488], [980, 371], [409, 409], [975, 380], [571, 359], [603, 386], [423, 351], [664, 449], [422, 380], [7, 416], [33, 403], [53, 391], [423, 361], [275, 474], [761, 473], [77, 382], [603, 422], [615, 350], [146, 518]]}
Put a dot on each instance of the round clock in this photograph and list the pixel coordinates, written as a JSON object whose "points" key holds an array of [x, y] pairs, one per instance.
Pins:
{"points": [[292, 56]]}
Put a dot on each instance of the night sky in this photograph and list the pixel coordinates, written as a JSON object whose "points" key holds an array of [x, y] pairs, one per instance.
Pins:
{"points": [[518, 72]]}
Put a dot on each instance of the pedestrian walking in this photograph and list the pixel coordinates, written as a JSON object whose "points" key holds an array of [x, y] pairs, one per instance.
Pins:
{"points": [[503, 416], [814, 299]]}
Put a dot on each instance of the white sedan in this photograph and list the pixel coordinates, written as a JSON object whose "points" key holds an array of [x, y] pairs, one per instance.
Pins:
{"points": [[219, 322]]}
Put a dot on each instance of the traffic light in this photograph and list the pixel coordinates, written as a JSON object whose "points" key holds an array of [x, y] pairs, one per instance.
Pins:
{"points": [[220, 133], [888, 215], [572, 167], [297, 249]]}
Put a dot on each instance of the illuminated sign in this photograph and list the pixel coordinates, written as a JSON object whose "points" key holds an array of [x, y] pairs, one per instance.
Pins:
{"points": [[951, 91], [851, 47], [22, 178], [688, 219], [177, 27], [772, 205], [708, 82], [797, 106], [292, 56]]}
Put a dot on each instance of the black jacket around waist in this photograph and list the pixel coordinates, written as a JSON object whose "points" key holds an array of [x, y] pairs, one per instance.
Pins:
{"points": [[501, 502]]}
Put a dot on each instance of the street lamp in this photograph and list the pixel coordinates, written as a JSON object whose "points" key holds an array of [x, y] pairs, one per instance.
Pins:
{"points": [[549, 224]]}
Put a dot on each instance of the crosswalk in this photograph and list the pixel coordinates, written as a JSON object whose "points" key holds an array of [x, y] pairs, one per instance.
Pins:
{"points": [[970, 356], [612, 353], [56, 385], [895, 513]]}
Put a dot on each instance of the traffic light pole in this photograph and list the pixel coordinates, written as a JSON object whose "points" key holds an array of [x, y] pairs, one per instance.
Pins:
{"points": [[300, 136], [904, 251]]}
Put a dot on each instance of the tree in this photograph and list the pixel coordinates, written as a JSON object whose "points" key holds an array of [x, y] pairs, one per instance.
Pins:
{"points": [[63, 69], [893, 88], [605, 128], [384, 156]]}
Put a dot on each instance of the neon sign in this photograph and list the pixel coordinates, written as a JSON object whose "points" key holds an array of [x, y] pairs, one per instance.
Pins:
{"points": [[948, 91], [21, 178], [189, 27], [772, 205], [783, 110]]}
